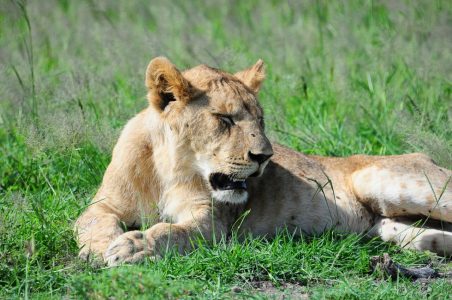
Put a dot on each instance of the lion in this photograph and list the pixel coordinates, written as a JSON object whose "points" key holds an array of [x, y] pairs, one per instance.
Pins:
{"points": [[197, 158]]}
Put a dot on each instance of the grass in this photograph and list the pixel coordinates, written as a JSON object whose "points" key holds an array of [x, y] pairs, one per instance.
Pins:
{"points": [[343, 77]]}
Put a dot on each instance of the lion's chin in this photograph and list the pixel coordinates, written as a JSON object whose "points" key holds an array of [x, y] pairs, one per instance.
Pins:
{"points": [[231, 196]]}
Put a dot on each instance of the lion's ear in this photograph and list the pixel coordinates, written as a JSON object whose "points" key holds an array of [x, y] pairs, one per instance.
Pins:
{"points": [[253, 76], [165, 83]]}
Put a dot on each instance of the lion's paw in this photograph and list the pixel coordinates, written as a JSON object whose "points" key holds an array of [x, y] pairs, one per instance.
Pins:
{"points": [[129, 247], [91, 257]]}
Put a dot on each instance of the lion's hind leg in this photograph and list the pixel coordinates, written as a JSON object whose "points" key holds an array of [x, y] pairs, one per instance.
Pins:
{"points": [[405, 185], [407, 235]]}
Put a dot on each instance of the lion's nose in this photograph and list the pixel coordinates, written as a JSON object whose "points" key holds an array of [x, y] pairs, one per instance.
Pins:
{"points": [[259, 158]]}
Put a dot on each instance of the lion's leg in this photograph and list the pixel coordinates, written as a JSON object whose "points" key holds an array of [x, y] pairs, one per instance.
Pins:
{"points": [[134, 246], [95, 230], [405, 234], [405, 185]]}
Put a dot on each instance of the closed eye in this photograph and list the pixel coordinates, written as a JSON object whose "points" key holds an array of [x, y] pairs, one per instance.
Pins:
{"points": [[226, 120]]}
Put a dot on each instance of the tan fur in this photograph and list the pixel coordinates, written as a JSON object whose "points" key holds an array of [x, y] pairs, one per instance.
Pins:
{"points": [[203, 122]]}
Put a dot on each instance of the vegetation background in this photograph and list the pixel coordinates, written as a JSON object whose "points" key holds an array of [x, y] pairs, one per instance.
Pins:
{"points": [[344, 77]]}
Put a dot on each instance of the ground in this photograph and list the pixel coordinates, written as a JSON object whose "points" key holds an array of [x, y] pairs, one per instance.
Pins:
{"points": [[344, 77]]}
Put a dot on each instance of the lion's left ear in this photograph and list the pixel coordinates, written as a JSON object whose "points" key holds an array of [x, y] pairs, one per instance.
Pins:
{"points": [[253, 76]]}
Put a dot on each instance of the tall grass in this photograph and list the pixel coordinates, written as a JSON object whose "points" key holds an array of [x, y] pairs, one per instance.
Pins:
{"points": [[352, 76], [343, 77]]}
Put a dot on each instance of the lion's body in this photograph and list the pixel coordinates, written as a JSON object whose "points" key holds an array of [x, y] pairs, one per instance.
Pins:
{"points": [[378, 195], [181, 164]]}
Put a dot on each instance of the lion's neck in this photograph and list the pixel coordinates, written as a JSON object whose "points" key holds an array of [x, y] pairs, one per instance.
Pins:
{"points": [[173, 163], [172, 156]]}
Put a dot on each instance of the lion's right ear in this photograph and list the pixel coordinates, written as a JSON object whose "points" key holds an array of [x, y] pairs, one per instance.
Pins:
{"points": [[253, 76], [165, 83]]}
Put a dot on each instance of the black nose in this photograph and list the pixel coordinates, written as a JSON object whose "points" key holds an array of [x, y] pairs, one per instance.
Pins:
{"points": [[259, 158]]}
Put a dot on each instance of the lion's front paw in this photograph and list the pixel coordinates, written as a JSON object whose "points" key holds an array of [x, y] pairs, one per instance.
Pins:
{"points": [[92, 254], [129, 247], [91, 257]]}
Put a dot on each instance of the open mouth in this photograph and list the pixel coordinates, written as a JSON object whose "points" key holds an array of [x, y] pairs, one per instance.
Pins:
{"points": [[220, 181]]}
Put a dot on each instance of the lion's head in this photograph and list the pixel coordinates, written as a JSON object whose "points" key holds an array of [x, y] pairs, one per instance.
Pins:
{"points": [[216, 118]]}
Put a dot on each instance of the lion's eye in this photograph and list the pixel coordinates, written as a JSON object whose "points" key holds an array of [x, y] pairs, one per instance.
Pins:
{"points": [[226, 120]]}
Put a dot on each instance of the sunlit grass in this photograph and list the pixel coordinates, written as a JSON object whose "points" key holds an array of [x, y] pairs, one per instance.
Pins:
{"points": [[343, 77]]}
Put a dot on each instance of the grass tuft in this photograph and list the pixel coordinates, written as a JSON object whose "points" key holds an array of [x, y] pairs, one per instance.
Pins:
{"points": [[344, 77]]}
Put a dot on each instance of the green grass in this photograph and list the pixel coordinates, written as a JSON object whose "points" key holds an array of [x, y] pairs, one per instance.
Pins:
{"points": [[343, 77]]}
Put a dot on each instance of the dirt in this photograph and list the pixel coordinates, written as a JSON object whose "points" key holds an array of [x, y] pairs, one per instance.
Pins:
{"points": [[270, 290]]}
